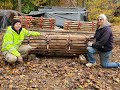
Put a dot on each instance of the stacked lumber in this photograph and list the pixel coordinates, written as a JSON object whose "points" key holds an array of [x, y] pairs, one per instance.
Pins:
{"points": [[61, 44], [78, 25], [36, 22]]}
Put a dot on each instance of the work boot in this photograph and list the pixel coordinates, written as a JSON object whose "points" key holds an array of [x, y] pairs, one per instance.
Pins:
{"points": [[20, 61]]}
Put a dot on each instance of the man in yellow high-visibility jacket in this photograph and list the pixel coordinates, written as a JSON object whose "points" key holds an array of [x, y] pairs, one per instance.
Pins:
{"points": [[11, 46]]}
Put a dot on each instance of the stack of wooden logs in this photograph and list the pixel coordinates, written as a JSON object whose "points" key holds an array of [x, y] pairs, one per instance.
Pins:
{"points": [[79, 25], [37, 22], [64, 43], [58, 44]]}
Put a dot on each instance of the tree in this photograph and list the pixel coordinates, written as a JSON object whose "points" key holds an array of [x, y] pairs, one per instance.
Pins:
{"points": [[38, 2], [96, 7], [68, 3], [19, 5], [6, 4]]}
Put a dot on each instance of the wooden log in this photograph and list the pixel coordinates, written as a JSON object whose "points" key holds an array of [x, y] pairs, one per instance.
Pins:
{"points": [[69, 44], [58, 52], [82, 59]]}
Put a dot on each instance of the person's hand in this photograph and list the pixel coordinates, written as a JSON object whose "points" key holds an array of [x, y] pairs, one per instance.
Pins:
{"points": [[20, 59], [89, 44], [91, 37], [88, 37]]}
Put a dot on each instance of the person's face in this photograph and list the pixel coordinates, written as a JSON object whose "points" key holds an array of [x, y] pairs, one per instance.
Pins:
{"points": [[17, 26], [100, 21]]}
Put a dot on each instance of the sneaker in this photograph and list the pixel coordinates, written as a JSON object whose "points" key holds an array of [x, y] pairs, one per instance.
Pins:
{"points": [[90, 64]]}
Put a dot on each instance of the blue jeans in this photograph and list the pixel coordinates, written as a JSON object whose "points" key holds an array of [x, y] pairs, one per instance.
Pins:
{"points": [[104, 57]]}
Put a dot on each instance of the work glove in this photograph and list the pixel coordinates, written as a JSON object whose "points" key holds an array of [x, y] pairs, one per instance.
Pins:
{"points": [[20, 59], [91, 37], [89, 44]]}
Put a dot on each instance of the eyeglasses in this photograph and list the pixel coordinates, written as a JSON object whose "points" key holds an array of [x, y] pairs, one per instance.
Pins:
{"points": [[99, 19]]}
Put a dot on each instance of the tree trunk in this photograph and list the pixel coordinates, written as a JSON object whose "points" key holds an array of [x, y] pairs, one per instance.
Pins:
{"points": [[19, 5]]}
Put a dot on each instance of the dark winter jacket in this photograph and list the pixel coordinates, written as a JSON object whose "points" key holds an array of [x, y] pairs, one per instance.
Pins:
{"points": [[104, 39]]}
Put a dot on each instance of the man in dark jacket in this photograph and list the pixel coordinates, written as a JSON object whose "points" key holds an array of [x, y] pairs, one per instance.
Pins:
{"points": [[103, 44]]}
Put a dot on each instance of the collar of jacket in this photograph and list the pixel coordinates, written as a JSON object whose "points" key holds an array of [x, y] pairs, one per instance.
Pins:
{"points": [[15, 30]]}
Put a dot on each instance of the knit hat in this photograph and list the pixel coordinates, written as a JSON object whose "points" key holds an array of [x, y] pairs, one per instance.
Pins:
{"points": [[15, 21], [102, 16]]}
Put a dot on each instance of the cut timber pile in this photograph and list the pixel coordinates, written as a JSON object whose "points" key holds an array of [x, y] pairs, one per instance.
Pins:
{"points": [[79, 25], [36, 22], [58, 44], [59, 41]]}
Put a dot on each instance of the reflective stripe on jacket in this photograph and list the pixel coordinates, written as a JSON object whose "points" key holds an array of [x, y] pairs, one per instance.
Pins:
{"points": [[12, 40]]}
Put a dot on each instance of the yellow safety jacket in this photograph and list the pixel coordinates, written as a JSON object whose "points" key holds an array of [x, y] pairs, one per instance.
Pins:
{"points": [[12, 40]]}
